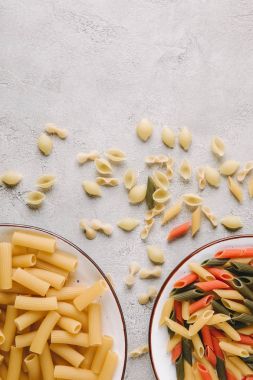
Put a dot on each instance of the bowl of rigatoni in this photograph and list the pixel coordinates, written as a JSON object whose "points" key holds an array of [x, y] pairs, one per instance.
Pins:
{"points": [[201, 325], [59, 315]]}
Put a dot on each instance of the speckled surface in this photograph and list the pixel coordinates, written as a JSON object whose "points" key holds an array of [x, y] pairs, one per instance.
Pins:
{"points": [[96, 68]]}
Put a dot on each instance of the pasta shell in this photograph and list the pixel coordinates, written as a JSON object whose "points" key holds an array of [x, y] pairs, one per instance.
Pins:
{"points": [[147, 228], [130, 179], [46, 181], [92, 188], [155, 254], [210, 216], [102, 181], [245, 171], [90, 156], [137, 194], [201, 178], [103, 166], [161, 196], [11, 178], [144, 129], [128, 224], [160, 179], [218, 146], [159, 159], [235, 189], [35, 199], [168, 137], [192, 200], [229, 167], [185, 170], [212, 176], [157, 210], [115, 155], [52, 129], [185, 138], [45, 144], [232, 222], [250, 187]]}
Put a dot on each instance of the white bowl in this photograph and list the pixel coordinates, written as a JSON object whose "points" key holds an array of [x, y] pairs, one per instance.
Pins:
{"points": [[163, 368], [88, 271]]}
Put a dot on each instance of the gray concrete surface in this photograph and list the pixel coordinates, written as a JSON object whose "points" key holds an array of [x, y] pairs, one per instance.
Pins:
{"points": [[96, 68]]}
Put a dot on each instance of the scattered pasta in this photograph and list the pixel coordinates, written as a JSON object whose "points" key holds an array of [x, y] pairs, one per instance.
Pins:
{"points": [[45, 144], [130, 179], [192, 200], [103, 166], [229, 167], [172, 212], [185, 170], [196, 220], [149, 296], [232, 222], [248, 167], [210, 216], [90, 156], [160, 159], [185, 138], [147, 228], [161, 195], [137, 194], [46, 181], [92, 188], [156, 210], [52, 129], [107, 181], [90, 233], [97, 225], [218, 146], [160, 179], [144, 129], [128, 224], [11, 178], [150, 273], [139, 351], [168, 137], [155, 254], [34, 199], [235, 189], [212, 176], [169, 168], [134, 268], [201, 178], [115, 155]]}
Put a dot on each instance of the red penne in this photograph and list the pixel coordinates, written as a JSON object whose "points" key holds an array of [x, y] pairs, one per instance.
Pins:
{"points": [[210, 356], [234, 252], [206, 336], [179, 231], [176, 352], [178, 311], [216, 348], [248, 377], [204, 373], [246, 339], [207, 286], [216, 333], [184, 281], [200, 304], [230, 376], [220, 274]]}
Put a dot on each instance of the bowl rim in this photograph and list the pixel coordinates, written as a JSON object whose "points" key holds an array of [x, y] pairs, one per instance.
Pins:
{"points": [[54, 234], [182, 262]]}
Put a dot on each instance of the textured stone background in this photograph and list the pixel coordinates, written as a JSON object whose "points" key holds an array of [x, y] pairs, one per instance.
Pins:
{"points": [[96, 68]]}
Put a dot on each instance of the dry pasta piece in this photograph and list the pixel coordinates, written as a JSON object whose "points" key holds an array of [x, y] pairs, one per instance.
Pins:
{"points": [[201, 178], [46, 181], [155, 254], [218, 146], [90, 233], [139, 351], [144, 129], [115, 155], [52, 129], [30, 281], [137, 194], [250, 187], [196, 220], [169, 167], [35, 303], [92, 188], [44, 331], [90, 156], [34, 241], [150, 273], [160, 179], [130, 179], [128, 224], [103, 181], [172, 212], [144, 298], [97, 225], [245, 171], [134, 268], [212, 176], [5, 266], [35, 199], [192, 200], [168, 137], [32, 365], [109, 366], [185, 138], [11, 178], [15, 363], [72, 373], [185, 170], [229, 167], [95, 324], [100, 354], [147, 228], [157, 210], [103, 166], [90, 294], [210, 216], [161, 196], [235, 189], [232, 222], [179, 231], [45, 144], [160, 159]]}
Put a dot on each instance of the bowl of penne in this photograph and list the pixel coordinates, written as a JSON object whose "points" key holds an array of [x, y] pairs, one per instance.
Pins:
{"points": [[201, 325], [59, 315]]}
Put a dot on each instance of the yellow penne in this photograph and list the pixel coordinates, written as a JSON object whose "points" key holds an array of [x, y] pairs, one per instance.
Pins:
{"points": [[166, 310], [198, 345], [200, 322], [201, 272], [232, 349], [185, 310], [177, 328], [245, 370], [235, 306], [229, 331], [229, 294], [218, 318], [172, 342]]}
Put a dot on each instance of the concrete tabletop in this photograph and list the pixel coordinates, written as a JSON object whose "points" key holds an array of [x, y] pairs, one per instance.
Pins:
{"points": [[98, 67]]}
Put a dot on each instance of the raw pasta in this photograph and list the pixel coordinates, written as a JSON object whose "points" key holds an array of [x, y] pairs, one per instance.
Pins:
{"points": [[218, 146], [160, 179], [46, 181], [45, 144], [144, 298], [185, 138], [11, 178], [90, 233], [128, 224], [161, 195], [35, 199], [169, 168], [192, 200], [210, 216], [245, 171], [172, 212], [229, 167], [103, 166], [144, 129], [150, 273], [196, 220], [115, 155], [130, 179], [156, 210], [147, 228], [250, 187], [90, 156], [134, 268], [212, 176], [92, 188], [97, 225], [110, 181], [139, 351], [185, 170], [52, 129], [232, 222], [201, 178], [160, 159], [155, 254], [168, 137], [235, 189], [137, 194]]}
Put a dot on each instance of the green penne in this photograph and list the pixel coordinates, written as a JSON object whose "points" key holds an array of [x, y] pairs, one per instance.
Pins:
{"points": [[187, 350], [188, 295], [242, 288], [244, 318], [247, 280], [249, 304], [248, 360], [180, 367], [151, 187], [219, 308], [181, 290], [242, 268], [220, 368], [213, 262]]}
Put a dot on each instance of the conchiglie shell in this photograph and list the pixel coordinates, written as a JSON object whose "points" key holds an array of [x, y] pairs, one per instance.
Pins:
{"points": [[137, 194], [46, 181], [235, 189], [245, 171], [144, 129], [201, 178], [45, 144], [130, 179], [229, 167], [218, 146], [92, 188], [103, 166], [212, 176], [192, 200], [35, 199], [185, 138], [115, 155], [11, 178], [185, 170], [161, 195], [160, 179], [107, 181], [168, 137], [232, 222], [128, 224], [155, 254]]}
